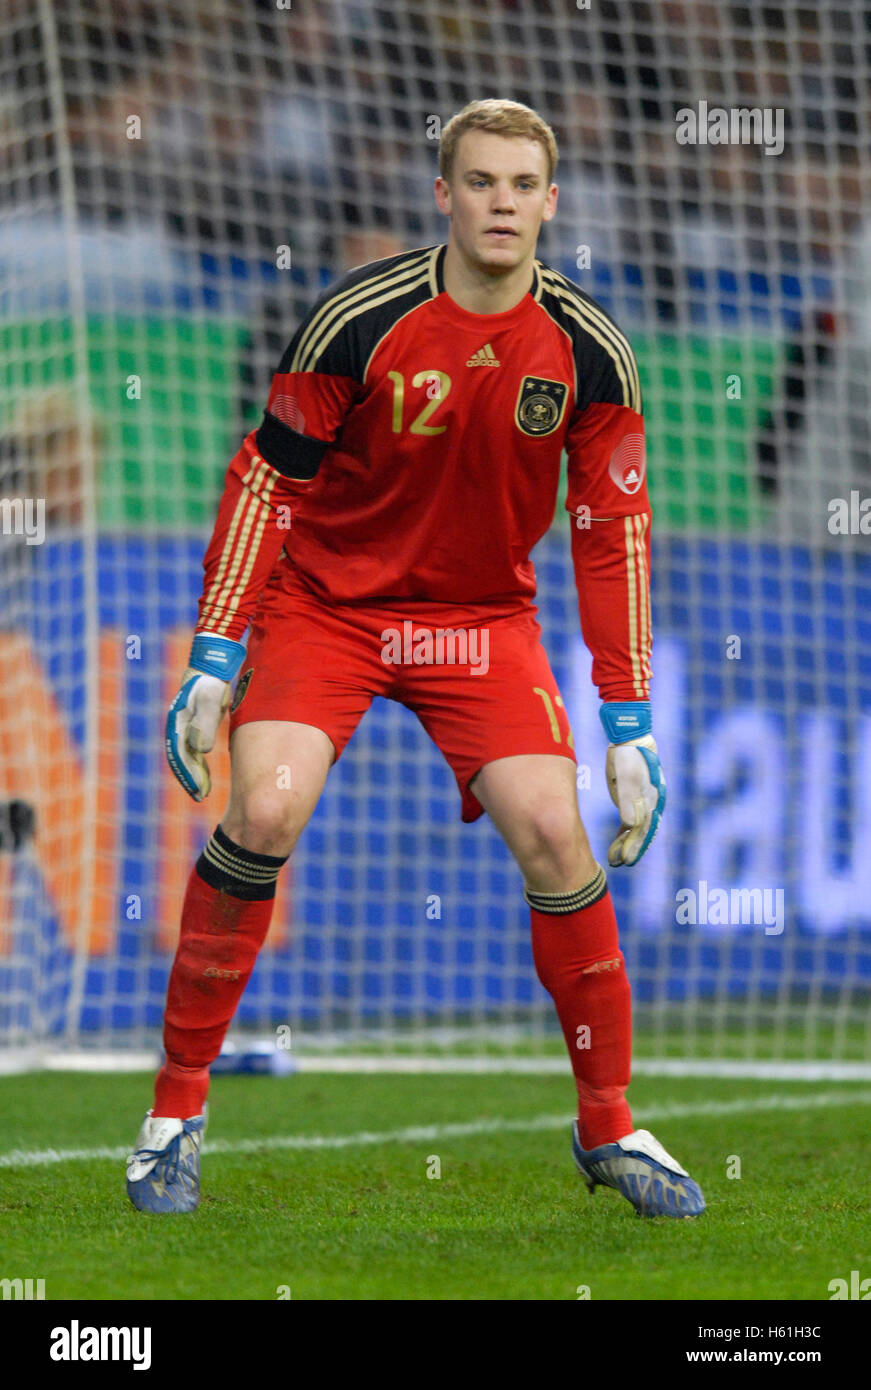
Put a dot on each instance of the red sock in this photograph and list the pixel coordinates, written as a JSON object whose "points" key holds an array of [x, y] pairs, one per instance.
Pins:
{"points": [[574, 945], [224, 921]]}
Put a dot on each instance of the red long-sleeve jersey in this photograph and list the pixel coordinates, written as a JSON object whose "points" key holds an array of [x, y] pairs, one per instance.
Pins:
{"points": [[411, 450]]}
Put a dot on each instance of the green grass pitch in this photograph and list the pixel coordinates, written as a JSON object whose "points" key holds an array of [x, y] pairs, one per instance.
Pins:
{"points": [[341, 1205]]}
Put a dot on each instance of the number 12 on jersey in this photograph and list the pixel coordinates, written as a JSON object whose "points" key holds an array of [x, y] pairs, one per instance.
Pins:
{"points": [[438, 385]]}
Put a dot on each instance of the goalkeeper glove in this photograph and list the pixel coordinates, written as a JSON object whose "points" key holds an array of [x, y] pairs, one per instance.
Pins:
{"points": [[635, 778], [197, 710]]}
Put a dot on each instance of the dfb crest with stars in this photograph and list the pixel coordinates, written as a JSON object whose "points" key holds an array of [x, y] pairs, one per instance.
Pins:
{"points": [[540, 404]]}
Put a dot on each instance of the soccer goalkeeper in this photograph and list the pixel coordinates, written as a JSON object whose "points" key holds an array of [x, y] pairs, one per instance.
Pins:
{"points": [[413, 436]]}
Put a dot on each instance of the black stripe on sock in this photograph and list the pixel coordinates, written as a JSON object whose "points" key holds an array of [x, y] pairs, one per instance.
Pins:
{"points": [[560, 903], [230, 868]]}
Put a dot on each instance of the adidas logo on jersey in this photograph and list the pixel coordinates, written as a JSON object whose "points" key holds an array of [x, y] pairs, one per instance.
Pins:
{"points": [[483, 358]]}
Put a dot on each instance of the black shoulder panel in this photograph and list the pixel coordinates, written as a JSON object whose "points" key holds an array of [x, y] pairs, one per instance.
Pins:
{"points": [[605, 366], [340, 332]]}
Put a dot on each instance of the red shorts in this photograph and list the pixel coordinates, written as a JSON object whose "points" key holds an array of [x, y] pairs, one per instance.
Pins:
{"points": [[320, 663]]}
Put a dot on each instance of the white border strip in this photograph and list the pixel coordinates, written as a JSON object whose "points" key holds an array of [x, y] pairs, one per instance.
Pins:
{"points": [[31, 1059], [426, 1134]]}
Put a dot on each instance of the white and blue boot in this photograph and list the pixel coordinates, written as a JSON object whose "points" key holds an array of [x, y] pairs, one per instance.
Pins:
{"points": [[163, 1172], [639, 1168]]}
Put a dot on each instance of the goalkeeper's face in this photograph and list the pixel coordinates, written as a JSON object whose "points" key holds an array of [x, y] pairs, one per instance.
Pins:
{"points": [[497, 199]]}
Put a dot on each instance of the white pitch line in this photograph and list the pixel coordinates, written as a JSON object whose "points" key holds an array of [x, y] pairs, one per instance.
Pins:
{"points": [[415, 1134]]}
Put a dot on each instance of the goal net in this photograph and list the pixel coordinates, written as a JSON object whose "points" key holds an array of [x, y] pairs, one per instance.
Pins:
{"points": [[179, 182]]}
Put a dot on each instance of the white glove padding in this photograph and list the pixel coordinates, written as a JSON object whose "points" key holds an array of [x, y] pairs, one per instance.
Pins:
{"points": [[637, 788], [191, 729]]}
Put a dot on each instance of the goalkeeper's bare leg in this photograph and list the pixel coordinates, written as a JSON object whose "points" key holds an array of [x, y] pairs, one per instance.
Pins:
{"points": [[532, 801], [225, 918]]}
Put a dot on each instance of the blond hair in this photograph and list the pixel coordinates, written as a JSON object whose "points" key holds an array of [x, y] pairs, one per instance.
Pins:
{"points": [[509, 118]]}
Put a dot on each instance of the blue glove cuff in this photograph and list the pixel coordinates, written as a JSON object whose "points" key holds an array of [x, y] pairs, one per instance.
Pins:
{"points": [[216, 656], [626, 719]]}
